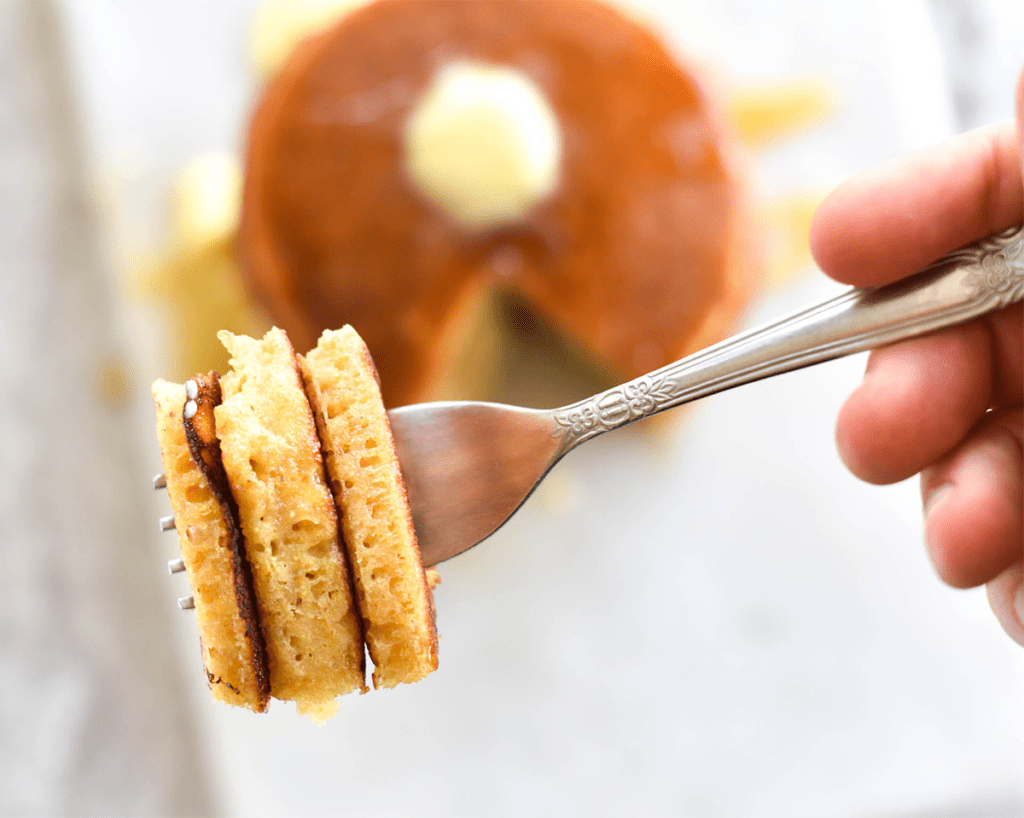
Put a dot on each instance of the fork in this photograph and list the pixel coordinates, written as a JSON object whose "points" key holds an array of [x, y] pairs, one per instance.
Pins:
{"points": [[469, 466]]}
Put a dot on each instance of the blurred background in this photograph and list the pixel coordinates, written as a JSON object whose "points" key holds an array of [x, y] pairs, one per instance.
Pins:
{"points": [[707, 618]]}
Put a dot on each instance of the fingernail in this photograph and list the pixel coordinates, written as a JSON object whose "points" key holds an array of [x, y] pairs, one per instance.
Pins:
{"points": [[931, 544], [1018, 605], [935, 497]]}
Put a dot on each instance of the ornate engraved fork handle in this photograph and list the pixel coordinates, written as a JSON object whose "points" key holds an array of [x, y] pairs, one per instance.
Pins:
{"points": [[979, 278]]}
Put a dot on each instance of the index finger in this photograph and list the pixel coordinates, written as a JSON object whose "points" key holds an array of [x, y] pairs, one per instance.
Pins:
{"points": [[904, 214]]}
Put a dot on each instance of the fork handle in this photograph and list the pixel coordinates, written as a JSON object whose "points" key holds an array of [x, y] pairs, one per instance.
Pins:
{"points": [[977, 279]]}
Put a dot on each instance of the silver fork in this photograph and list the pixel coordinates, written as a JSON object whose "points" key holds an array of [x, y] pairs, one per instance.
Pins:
{"points": [[468, 466]]}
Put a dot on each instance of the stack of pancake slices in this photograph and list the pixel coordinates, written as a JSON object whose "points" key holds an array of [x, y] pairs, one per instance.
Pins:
{"points": [[294, 525]]}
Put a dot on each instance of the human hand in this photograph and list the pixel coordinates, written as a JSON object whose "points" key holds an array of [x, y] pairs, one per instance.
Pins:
{"points": [[947, 405]]}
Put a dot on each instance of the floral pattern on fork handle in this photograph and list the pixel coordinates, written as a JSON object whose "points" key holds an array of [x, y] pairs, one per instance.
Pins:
{"points": [[964, 284]]}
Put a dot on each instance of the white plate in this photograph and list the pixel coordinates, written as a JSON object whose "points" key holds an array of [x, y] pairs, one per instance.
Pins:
{"points": [[718, 621]]}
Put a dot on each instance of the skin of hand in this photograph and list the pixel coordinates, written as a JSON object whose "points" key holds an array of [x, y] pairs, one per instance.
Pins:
{"points": [[947, 405]]}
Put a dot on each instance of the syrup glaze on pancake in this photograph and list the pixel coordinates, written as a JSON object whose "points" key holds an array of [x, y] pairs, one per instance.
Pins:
{"points": [[639, 255], [201, 435]]}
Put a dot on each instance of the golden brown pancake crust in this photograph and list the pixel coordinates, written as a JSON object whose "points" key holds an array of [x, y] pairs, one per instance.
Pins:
{"points": [[233, 658], [395, 601], [639, 254], [200, 432]]}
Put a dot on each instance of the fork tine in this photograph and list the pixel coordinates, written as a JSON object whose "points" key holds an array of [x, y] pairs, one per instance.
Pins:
{"points": [[159, 481], [186, 603], [176, 566], [167, 523]]}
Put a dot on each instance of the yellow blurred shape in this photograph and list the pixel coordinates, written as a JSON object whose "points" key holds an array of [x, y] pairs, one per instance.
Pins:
{"points": [[113, 381], [280, 25], [196, 277], [202, 291], [787, 225], [764, 115], [207, 199]]}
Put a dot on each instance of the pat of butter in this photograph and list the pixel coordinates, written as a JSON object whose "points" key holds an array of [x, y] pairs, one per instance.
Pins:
{"points": [[483, 143]]}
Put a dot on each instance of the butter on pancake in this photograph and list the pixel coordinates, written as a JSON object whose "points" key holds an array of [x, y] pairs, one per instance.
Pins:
{"points": [[394, 598], [483, 144], [272, 458], [211, 543]]}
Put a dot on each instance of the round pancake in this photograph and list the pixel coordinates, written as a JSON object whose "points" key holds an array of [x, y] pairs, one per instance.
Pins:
{"points": [[640, 255]]}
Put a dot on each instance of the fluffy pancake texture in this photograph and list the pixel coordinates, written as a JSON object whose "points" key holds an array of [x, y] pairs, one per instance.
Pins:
{"points": [[272, 458], [394, 599], [292, 564], [231, 644]]}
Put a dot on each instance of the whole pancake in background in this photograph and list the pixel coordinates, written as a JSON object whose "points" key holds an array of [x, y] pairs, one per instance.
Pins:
{"points": [[639, 256]]}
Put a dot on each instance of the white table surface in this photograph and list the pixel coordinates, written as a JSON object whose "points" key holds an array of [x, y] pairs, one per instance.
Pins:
{"points": [[712, 621]]}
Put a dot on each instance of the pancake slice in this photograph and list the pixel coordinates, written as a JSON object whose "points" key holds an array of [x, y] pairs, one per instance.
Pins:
{"points": [[211, 544], [394, 599], [272, 457]]}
